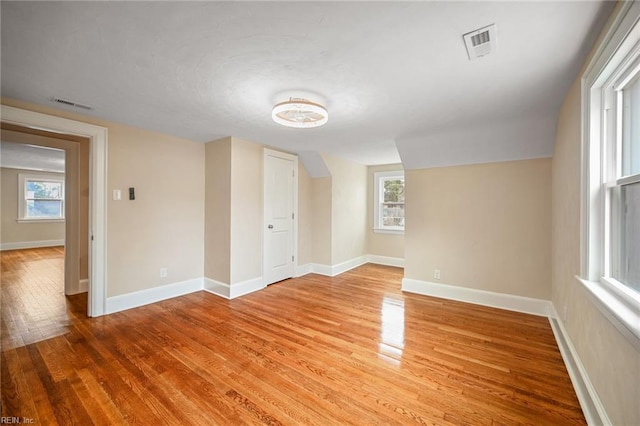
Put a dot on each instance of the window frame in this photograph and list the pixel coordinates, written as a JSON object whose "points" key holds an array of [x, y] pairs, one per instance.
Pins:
{"points": [[613, 62], [378, 187], [23, 179]]}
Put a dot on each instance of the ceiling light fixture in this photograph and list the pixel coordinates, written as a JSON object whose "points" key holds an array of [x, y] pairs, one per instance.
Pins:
{"points": [[299, 113]]}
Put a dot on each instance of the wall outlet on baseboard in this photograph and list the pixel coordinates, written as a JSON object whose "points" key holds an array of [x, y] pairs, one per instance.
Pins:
{"points": [[163, 272], [436, 274]]}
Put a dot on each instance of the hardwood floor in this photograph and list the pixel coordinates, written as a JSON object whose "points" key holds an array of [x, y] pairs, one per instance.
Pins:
{"points": [[351, 349]]}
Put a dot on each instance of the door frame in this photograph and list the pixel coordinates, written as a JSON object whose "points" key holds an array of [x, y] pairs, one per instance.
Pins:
{"points": [[97, 136], [272, 153]]}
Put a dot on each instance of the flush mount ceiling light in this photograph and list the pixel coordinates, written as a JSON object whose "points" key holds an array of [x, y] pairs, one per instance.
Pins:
{"points": [[299, 113]]}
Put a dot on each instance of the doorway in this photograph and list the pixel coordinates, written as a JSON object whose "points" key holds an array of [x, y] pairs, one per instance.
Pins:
{"points": [[52, 175], [96, 235], [280, 216]]}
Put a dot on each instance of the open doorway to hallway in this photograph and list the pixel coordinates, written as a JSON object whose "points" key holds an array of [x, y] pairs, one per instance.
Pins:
{"points": [[39, 183]]}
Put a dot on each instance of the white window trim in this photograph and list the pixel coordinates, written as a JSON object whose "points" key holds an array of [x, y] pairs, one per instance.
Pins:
{"points": [[43, 177], [618, 48], [377, 226]]}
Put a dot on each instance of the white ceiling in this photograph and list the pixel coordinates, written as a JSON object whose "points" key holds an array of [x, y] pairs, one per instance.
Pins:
{"points": [[31, 157], [394, 76]]}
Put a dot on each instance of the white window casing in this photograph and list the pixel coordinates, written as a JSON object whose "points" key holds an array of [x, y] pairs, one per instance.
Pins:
{"points": [[24, 197], [378, 209], [605, 119]]}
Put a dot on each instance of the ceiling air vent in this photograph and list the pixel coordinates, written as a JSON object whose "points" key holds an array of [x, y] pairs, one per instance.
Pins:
{"points": [[481, 42], [71, 104]]}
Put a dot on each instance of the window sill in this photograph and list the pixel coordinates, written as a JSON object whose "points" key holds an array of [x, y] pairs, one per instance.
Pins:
{"points": [[619, 308], [388, 231], [40, 220]]}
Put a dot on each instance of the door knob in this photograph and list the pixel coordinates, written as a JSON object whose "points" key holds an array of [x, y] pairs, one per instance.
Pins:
{"points": [[270, 226]]}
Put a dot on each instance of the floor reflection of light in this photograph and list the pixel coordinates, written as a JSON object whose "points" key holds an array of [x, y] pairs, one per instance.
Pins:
{"points": [[392, 330]]}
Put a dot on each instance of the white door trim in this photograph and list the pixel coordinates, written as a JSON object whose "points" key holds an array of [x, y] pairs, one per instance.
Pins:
{"points": [[97, 193], [269, 152]]}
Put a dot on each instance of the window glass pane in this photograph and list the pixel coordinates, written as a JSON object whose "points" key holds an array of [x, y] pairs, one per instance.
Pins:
{"points": [[631, 128], [394, 191], [36, 189], [389, 199], [44, 209], [392, 214], [629, 273]]}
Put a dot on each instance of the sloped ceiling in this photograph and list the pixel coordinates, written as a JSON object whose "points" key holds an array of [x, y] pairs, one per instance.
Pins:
{"points": [[394, 76]]}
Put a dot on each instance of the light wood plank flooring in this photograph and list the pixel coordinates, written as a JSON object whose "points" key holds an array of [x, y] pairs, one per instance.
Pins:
{"points": [[315, 350]]}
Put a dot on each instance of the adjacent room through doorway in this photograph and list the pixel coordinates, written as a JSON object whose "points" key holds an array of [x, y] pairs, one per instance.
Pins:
{"points": [[45, 207]]}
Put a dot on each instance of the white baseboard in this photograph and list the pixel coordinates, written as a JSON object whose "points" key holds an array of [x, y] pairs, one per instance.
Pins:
{"points": [[385, 260], [246, 287], [152, 295], [333, 270], [305, 269], [83, 287], [234, 290], [348, 265], [321, 269], [509, 302], [590, 403], [31, 244], [216, 287]]}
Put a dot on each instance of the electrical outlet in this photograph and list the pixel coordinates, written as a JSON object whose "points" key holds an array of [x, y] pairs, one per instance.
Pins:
{"points": [[436, 274], [163, 272]]}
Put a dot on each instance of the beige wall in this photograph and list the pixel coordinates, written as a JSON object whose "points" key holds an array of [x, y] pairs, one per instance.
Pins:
{"points": [[379, 244], [10, 230], [484, 226], [217, 232], [321, 219], [349, 209], [305, 216], [246, 210], [163, 227], [612, 363]]}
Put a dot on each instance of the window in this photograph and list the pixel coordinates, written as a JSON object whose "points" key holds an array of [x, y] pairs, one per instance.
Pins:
{"points": [[624, 182], [41, 197], [611, 175], [389, 202]]}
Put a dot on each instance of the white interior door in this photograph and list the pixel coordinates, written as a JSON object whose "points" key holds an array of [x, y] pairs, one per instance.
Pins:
{"points": [[279, 215]]}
